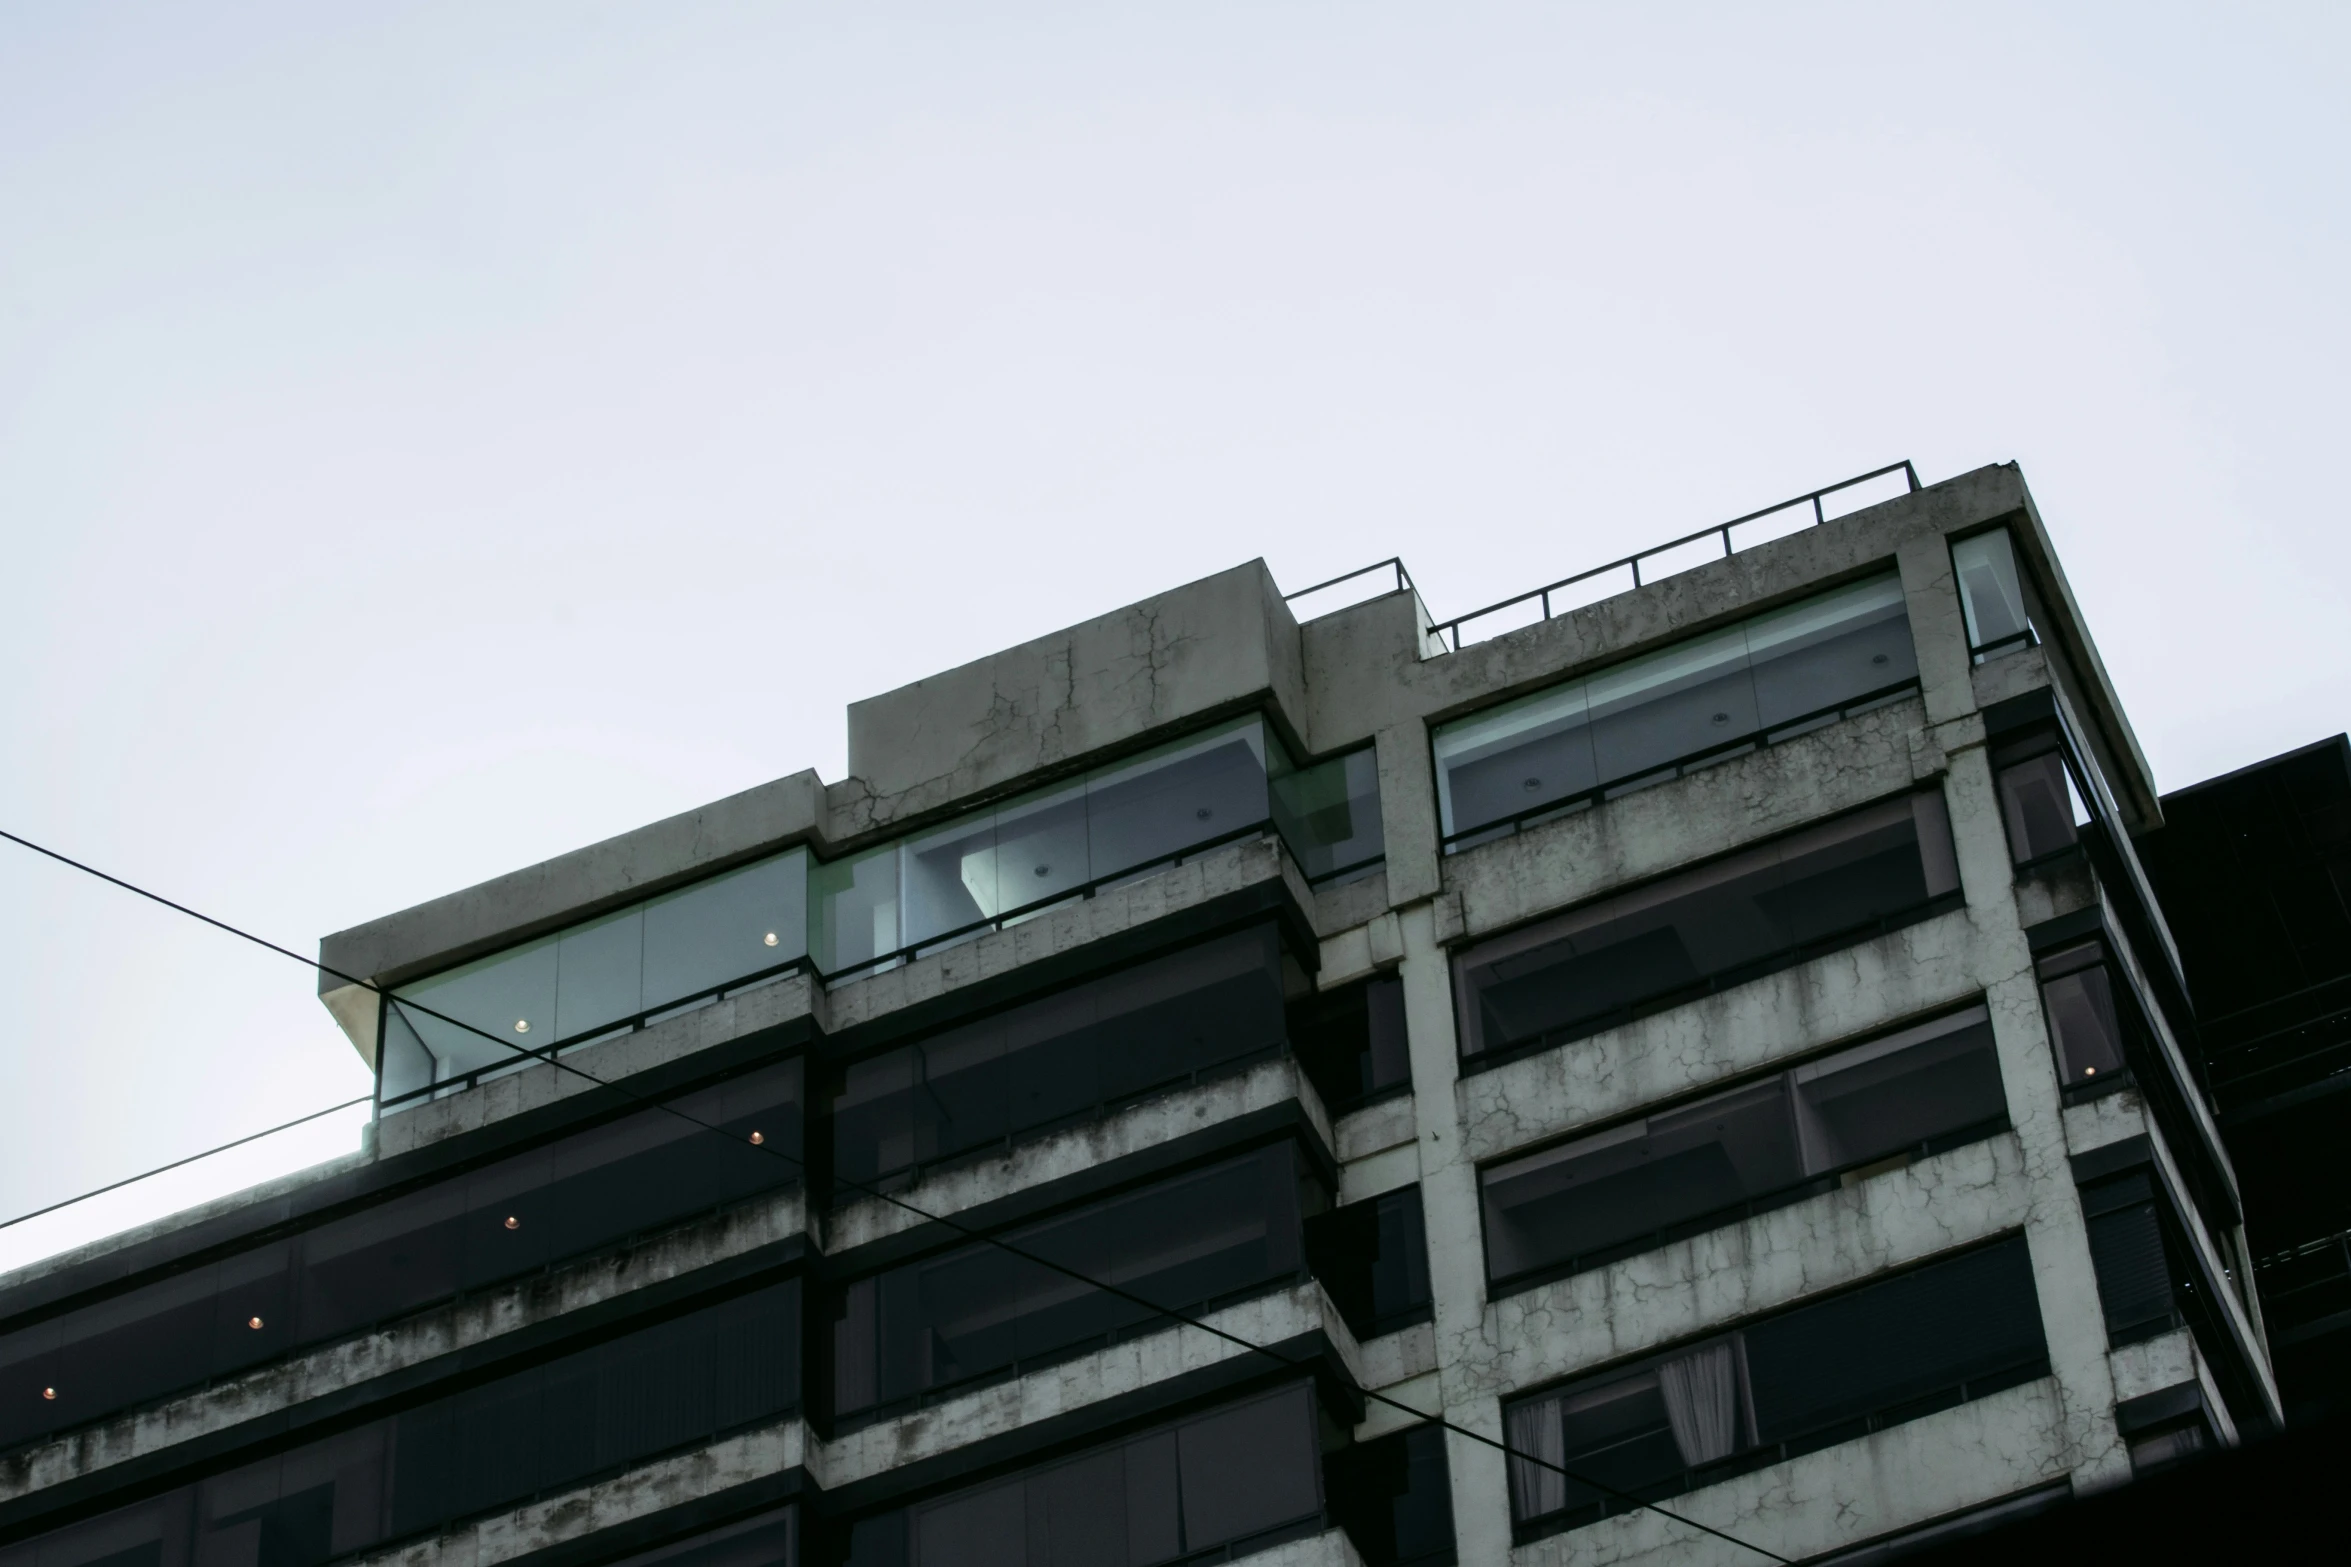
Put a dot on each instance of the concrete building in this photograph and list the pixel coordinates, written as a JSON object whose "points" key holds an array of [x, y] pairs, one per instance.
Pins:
{"points": [[1710, 1035]]}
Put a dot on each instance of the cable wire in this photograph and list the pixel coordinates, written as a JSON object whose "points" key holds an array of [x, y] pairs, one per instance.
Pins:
{"points": [[1247, 1345], [100, 1191]]}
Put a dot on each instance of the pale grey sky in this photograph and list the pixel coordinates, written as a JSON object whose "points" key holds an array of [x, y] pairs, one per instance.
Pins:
{"points": [[434, 437]]}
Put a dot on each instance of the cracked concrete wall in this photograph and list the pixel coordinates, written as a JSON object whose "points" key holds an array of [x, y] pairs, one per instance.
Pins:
{"points": [[1221, 643]]}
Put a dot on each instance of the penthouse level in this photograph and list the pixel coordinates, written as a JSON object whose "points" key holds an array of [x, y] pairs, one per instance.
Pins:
{"points": [[1579, 1033]]}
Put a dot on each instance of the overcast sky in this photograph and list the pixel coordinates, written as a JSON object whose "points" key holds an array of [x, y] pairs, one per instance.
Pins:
{"points": [[433, 438]]}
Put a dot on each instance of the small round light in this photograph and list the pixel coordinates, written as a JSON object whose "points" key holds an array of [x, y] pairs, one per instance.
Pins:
{"points": [[254, 1323], [1722, 718], [2089, 1071], [769, 938], [1531, 785], [48, 1392], [522, 1025], [758, 1138], [513, 1223], [1044, 870], [1881, 658], [1203, 813]]}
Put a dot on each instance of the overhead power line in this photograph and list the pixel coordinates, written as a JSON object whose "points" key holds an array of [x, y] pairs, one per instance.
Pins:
{"points": [[1247, 1345]]}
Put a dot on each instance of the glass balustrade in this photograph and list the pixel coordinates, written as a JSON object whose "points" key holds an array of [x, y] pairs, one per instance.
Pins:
{"points": [[1762, 680], [978, 871]]}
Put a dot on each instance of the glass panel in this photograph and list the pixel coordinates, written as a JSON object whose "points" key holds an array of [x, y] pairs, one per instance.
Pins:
{"points": [[544, 1428], [1329, 814], [510, 995], [1249, 1469], [853, 909], [1061, 1056], [1839, 882], [1713, 1161], [590, 1190], [1921, 1085], [2043, 811], [1372, 1259], [1041, 849], [1394, 1496], [1648, 715], [769, 1540], [1667, 705], [1821, 654], [2083, 1024], [1240, 1472], [1888, 1343], [1146, 810], [727, 928], [1351, 1041], [1517, 757], [970, 1312], [599, 973], [948, 877], [1990, 595]]}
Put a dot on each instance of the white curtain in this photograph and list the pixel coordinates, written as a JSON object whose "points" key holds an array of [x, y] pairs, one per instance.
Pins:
{"points": [[1702, 1402], [1534, 1431]]}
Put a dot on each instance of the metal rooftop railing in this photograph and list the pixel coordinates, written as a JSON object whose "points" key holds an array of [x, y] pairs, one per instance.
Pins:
{"points": [[1803, 511]]}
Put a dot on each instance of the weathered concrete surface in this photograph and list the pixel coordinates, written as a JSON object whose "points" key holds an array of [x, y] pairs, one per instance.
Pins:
{"points": [[1222, 643], [639, 1493], [1894, 1479], [1155, 1123], [1037, 1396], [412, 1341]]}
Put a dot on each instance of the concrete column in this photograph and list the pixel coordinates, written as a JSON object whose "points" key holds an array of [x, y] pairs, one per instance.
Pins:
{"points": [[1457, 1266], [1937, 629]]}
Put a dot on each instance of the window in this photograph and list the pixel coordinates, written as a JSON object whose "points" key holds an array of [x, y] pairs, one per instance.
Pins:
{"points": [[1761, 909], [2039, 801], [595, 977], [1329, 814], [1821, 1373], [1991, 594], [2135, 1260], [1222, 1482], [1060, 1058], [771, 1539], [2078, 996], [1351, 1042], [1182, 1244], [947, 883], [1767, 678], [521, 1434], [1373, 1258], [1764, 1144], [564, 1199], [1394, 1497]]}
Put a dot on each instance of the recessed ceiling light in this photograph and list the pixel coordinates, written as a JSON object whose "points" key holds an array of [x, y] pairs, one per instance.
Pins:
{"points": [[48, 1392], [253, 1323], [513, 1223], [770, 938], [757, 1138], [522, 1025]]}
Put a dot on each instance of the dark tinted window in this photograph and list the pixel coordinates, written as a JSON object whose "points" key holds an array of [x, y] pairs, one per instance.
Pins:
{"points": [[770, 1540], [1350, 1039], [2132, 1256], [1822, 1372], [1702, 929], [1373, 1258], [2039, 804], [1238, 1475], [1720, 1158], [2084, 1024], [542, 1429], [1059, 1058], [1394, 1497], [1179, 1243], [642, 1172]]}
